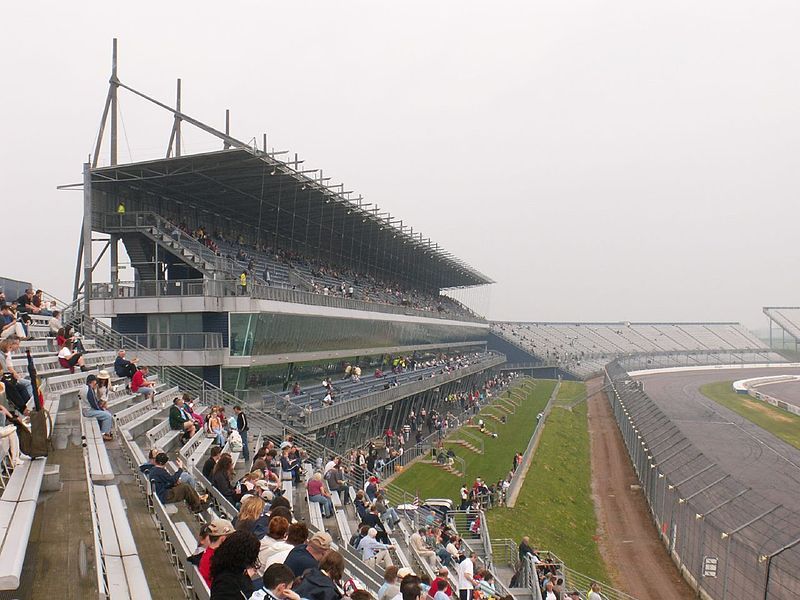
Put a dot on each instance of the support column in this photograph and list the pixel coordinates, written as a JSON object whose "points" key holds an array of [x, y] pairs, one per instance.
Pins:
{"points": [[114, 80], [87, 236], [114, 244]]}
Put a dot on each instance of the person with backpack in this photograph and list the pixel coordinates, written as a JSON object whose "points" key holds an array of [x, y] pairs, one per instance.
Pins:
{"points": [[96, 408]]}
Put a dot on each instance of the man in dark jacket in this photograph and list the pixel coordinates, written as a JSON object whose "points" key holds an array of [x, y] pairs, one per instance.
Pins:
{"points": [[124, 367], [243, 427], [181, 420], [307, 556], [168, 487]]}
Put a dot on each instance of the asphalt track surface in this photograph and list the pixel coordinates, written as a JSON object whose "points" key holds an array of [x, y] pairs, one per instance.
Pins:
{"points": [[749, 453], [788, 391]]}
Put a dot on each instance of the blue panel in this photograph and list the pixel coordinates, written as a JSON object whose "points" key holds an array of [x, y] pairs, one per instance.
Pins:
{"points": [[130, 323], [211, 375], [216, 323]]}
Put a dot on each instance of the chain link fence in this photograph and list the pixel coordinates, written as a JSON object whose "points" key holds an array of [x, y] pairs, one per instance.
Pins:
{"points": [[728, 540]]}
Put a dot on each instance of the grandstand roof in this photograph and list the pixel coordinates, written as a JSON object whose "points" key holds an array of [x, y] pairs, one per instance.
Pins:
{"points": [[251, 186]]}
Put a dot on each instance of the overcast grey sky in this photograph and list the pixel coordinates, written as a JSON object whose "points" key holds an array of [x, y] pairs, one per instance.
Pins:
{"points": [[601, 160]]}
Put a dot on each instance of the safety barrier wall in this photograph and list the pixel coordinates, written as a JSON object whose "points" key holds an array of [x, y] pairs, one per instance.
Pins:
{"points": [[729, 541]]}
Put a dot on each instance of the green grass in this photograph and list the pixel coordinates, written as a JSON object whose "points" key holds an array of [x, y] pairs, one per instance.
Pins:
{"points": [[780, 423], [513, 436], [569, 392], [555, 506]]}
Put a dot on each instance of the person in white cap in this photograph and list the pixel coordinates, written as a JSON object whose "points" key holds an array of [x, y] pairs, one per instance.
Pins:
{"points": [[373, 552]]}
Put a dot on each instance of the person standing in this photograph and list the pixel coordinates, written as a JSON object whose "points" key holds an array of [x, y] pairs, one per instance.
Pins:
{"points": [[466, 581], [243, 427]]}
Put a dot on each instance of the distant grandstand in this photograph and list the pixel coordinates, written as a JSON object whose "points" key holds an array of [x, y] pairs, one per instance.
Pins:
{"points": [[583, 349], [787, 320]]}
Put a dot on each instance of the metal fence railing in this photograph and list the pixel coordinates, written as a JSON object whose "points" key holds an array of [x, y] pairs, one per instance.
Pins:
{"points": [[729, 540]]}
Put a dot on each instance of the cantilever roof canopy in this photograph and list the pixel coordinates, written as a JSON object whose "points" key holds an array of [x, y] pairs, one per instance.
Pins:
{"points": [[266, 198]]}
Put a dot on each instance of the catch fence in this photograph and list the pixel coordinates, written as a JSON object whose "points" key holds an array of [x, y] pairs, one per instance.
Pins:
{"points": [[729, 541]]}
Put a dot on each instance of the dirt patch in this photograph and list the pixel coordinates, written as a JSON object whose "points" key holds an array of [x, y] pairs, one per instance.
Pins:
{"points": [[629, 542]]}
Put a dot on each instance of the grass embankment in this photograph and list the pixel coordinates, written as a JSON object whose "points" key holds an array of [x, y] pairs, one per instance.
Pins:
{"points": [[555, 506], [432, 482], [780, 423]]}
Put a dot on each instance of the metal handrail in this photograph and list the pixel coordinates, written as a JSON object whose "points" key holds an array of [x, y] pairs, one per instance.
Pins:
{"points": [[171, 373], [231, 287]]}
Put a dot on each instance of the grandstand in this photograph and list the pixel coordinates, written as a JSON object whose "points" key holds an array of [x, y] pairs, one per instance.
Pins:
{"points": [[583, 349], [787, 320], [251, 283], [257, 284]]}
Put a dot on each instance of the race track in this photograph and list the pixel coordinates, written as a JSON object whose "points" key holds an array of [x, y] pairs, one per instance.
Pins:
{"points": [[753, 456]]}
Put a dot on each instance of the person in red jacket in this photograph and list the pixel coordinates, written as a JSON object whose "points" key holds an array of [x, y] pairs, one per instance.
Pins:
{"points": [[140, 384], [218, 532]]}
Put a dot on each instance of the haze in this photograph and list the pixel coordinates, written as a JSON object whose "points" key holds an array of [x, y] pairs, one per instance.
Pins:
{"points": [[600, 160]]}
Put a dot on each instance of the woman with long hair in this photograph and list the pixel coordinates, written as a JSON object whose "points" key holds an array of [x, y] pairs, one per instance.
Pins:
{"points": [[221, 478], [216, 425], [251, 517], [233, 565]]}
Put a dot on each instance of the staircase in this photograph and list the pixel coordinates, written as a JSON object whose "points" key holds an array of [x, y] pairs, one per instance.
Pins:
{"points": [[174, 375], [141, 232], [445, 467]]}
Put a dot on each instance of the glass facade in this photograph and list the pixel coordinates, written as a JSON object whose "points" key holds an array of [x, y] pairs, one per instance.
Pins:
{"points": [[256, 334], [278, 378]]}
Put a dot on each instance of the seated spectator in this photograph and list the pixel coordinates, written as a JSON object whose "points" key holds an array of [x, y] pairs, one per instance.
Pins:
{"points": [[8, 433], [25, 303], [338, 483], [124, 367], [40, 305], [69, 359], [23, 386], [388, 514], [140, 384], [96, 409], [390, 587], [221, 479], [202, 544], [251, 516], [374, 552], [417, 542], [323, 582], [439, 589], [277, 584], [441, 584], [274, 547], [317, 493], [185, 477], [188, 406], [103, 386], [215, 426], [169, 488], [180, 420], [213, 457], [290, 466], [55, 323], [218, 532], [10, 324], [307, 556]]}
